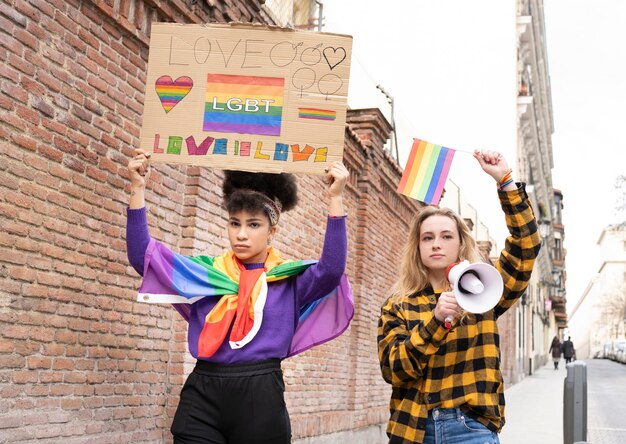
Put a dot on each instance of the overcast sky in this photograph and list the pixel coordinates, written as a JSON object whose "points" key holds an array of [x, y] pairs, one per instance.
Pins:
{"points": [[450, 66]]}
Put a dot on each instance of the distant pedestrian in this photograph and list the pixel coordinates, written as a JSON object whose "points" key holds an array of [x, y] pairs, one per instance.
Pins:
{"points": [[555, 349], [568, 350], [445, 377]]}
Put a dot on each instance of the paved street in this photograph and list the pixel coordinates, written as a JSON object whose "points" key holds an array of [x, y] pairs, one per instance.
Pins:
{"points": [[607, 402], [535, 405]]}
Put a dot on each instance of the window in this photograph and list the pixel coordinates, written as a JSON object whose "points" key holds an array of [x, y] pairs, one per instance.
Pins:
{"points": [[557, 249]]}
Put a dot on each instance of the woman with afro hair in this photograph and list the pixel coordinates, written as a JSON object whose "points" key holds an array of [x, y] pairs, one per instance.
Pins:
{"points": [[248, 308]]}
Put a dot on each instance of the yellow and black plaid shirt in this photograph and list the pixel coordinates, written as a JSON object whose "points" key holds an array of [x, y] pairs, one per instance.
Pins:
{"points": [[429, 367]]}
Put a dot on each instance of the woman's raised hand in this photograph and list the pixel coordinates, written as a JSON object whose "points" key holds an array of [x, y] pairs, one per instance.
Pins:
{"points": [[336, 177], [139, 169], [492, 163]]}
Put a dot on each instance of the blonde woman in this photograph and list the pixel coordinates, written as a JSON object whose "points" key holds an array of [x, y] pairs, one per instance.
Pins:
{"points": [[446, 382]]}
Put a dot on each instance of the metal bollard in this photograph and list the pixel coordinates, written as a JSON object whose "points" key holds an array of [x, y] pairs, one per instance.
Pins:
{"points": [[575, 403]]}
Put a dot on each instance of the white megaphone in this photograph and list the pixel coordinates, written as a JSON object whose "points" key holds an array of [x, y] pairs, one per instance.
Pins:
{"points": [[477, 287]]}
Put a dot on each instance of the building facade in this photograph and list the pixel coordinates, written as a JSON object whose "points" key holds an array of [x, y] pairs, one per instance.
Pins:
{"points": [[541, 314], [599, 317]]}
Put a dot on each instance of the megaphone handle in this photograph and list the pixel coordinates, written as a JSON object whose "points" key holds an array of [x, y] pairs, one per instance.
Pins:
{"points": [[447, 323]]}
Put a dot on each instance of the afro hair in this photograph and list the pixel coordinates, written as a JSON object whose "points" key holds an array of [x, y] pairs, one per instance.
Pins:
{"points": [[281, 187]]}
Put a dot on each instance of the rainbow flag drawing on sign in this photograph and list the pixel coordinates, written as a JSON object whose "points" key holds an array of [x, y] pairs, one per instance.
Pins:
{"points": [[426, 171], [316, 113], [243, 104]]}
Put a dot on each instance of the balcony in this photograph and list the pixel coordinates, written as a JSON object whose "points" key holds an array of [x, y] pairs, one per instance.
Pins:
{"points": [[560, 263], [558, 299]]}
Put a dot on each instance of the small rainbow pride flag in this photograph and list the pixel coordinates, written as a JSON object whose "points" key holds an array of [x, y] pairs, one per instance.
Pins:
{"points": [[243, 104], [316, 113], [426, 171]]}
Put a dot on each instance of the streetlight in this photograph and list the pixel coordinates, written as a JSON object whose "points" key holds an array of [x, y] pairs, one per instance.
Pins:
{"points": [[544, 228], [394, 141], [556, 277]]}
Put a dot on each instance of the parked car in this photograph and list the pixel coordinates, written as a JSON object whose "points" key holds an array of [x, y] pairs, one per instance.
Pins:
{"points": [[603, 353], [620, 354], [617, 350]]}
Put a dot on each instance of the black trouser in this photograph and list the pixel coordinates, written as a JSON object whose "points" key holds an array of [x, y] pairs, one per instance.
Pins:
{"points": [[233, 404]]}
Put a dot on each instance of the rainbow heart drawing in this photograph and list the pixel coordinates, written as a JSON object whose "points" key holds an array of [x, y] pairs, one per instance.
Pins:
{"points": [[171, 92]]}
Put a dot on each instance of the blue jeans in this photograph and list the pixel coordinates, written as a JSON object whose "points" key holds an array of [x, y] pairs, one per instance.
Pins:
{"points": [[452, 426]]}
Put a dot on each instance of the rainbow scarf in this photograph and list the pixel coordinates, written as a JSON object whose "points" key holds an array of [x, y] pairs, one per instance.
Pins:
{"points": [[182, 280]]}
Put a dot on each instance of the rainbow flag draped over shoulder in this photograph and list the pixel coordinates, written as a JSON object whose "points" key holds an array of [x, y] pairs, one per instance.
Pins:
{"points": [[181, 280], [426, 171]]}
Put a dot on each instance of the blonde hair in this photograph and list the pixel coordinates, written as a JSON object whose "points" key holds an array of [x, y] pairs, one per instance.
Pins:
{"points": [[413, 273]]}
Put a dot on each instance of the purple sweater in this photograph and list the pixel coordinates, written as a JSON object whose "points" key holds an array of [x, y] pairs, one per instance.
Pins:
{"points": [[285, 298]]}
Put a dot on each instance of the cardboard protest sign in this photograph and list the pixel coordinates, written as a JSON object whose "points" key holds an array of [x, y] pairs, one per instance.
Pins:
{"points": [[246, 97]]}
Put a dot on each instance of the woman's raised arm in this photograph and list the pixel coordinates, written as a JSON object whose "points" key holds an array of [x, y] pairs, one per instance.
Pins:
{"points": [[138, 171], [336, 178]]}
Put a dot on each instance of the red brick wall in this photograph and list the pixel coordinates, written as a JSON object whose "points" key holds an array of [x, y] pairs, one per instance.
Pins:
{"points": [[80, 361]]}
